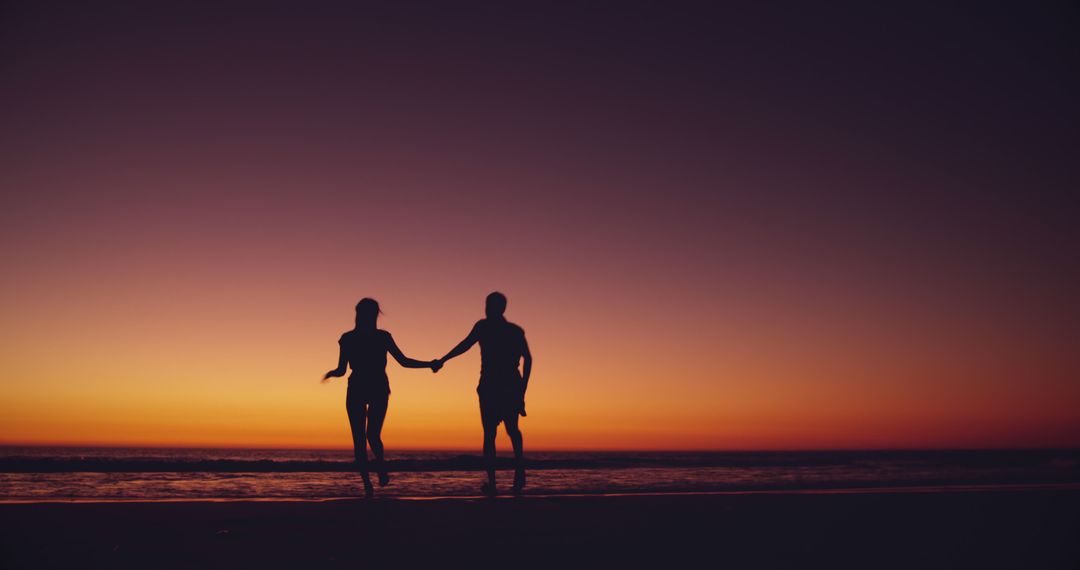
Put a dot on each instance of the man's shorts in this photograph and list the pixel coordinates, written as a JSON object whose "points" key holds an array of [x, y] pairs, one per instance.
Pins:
{"points": [[501, 399]]}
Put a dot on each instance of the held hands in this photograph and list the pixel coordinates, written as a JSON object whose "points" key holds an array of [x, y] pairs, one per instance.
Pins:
{"points": [[435, 365]]}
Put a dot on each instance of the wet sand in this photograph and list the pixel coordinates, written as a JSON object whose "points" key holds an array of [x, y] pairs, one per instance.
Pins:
{"points": [[984, 529]]}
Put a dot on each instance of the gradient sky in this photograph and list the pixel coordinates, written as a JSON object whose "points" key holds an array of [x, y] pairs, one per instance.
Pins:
{"points": [[742, 228]]}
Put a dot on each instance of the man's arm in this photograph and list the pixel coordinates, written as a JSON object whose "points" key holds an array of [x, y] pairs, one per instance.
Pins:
{"points": [[526, 371], [462, 346], [526, 366]]}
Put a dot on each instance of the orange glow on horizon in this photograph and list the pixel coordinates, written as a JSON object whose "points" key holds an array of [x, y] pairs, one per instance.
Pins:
{"points": [[243, 385]]}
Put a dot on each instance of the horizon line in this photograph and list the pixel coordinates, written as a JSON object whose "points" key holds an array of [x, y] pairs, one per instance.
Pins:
{"points": [[544, 449]]}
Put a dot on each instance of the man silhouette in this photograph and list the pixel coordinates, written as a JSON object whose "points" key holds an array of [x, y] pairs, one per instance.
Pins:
{"points": [[502, 387]]}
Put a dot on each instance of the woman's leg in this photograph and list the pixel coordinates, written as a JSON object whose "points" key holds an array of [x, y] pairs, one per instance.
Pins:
{"points": [[357, 411], [376, 417]]}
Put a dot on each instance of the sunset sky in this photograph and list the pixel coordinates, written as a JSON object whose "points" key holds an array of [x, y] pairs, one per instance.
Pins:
{"points": [[741, 228]]}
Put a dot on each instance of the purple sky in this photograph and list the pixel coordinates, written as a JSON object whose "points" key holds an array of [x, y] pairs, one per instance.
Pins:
{"points": [[790, 187]]}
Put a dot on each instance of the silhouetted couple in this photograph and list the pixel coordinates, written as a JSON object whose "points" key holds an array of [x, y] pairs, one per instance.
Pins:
{"points": [[501, 390]]}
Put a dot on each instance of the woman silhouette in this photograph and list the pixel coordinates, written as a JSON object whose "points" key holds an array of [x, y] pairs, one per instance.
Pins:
{"points": [[364, 350]]}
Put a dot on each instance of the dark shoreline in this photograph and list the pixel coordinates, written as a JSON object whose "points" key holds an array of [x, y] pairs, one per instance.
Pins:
{"points": [[833, 489], [978, 529], [11, 461]]}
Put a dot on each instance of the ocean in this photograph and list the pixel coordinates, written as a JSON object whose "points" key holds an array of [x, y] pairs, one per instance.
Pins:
{"points": [[116, 474]]}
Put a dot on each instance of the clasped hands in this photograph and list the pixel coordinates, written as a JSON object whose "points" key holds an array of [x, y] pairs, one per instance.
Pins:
{"points": [[435, 365]]}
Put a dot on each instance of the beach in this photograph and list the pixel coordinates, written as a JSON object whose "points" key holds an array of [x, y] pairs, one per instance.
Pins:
{"points": [[1007, 527], [799, 279]]}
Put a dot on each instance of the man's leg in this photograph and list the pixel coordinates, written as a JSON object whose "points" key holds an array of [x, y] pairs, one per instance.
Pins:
{"points": [[490, 419], [512, 430], [490, 429]]}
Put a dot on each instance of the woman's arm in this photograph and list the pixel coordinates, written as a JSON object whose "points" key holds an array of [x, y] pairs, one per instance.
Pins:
{"points": [[405, 360], [342, 364]]}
